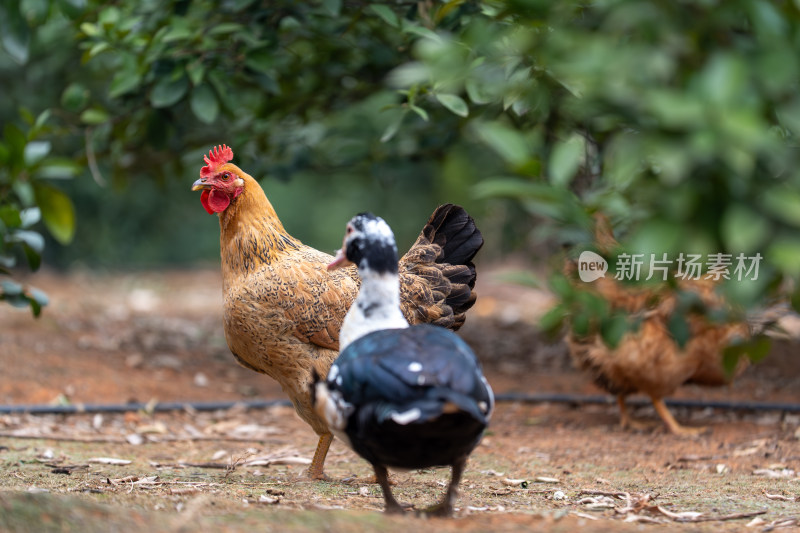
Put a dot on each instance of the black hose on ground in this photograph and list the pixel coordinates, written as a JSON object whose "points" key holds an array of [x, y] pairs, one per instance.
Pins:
{"points": [[508, 397]]}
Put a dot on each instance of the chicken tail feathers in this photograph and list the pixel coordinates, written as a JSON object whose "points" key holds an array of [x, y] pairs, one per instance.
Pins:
{"points": [[441, 269], [455, 232]]}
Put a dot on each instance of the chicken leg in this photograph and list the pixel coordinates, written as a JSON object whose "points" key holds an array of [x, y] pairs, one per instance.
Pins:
{"points": [[672, 424], [316, 470], [626, 421]]}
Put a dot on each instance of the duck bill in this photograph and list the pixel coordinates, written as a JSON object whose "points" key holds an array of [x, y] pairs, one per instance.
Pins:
{"points": [[340, 261]]}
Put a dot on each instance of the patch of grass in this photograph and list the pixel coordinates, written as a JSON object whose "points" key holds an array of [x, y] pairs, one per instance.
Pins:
{"points": [[45, 513]]}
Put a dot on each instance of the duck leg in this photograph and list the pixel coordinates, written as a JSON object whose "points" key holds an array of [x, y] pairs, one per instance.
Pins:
{"points": [[316, 470], [392, 506], [444, 509], [672, 424]]}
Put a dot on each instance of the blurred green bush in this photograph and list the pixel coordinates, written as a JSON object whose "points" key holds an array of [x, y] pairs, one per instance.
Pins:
{"points": [[676, 119]]}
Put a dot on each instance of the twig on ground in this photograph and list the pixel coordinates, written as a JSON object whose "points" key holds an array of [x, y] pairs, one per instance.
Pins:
{"points": [[723, 518]]}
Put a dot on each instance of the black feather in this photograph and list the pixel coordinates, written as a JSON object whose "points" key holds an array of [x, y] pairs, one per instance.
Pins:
{"points": [[451, 227], [424, 368], [454, 231]]}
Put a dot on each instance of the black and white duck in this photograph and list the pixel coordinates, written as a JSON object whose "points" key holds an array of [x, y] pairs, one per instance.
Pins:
{"points": [[400, 396]]}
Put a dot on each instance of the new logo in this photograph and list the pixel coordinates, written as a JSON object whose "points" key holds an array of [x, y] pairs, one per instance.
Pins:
{"points": [[591, 266]]}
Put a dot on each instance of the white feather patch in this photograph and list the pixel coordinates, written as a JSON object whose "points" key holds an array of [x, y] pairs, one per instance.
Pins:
{"points": [[406, 417], [415, 367], [333, 372]]}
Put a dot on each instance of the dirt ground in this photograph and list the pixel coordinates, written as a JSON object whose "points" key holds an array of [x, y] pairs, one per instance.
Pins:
{"points": [[158, 337]]}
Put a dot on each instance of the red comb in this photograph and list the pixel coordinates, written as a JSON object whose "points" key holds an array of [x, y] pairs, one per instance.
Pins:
{"points": [[216, 157]]}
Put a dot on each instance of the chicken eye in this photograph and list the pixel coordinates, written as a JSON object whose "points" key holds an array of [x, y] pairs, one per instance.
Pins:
{"points": [[226, 176], [349, 230]]}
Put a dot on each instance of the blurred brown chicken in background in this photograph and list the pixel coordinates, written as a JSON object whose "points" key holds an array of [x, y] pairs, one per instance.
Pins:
{"points": [[649, 359]]}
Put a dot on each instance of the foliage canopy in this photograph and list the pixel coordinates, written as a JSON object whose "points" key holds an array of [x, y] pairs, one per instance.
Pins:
{"points": [[678, 120]]}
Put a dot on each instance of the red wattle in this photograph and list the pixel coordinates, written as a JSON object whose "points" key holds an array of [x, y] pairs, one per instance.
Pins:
{"points": [[204, 200], [214, 201], [218, 201]]}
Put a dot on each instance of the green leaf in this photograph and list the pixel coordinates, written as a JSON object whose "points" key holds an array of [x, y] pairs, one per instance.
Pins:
{"points": [[123, 82], [225, 27], [385, 12], [392, 128], [98, 48], [613, 328], [10, 216], [204, 103], [561, 287], [743, 230], [476, 93], [538, 198], [94, 116], [167, 92], [454, 103], [11, 288], [422, 32], [177, 33], [196, 70], [24, 191], [552, 322], [507, 142], [27, 115], [89, 29], [34, 258], [333, 7], [109, 16], [678, 327], [526, 278], [15, 141], [409, 74], [75, 97], [35, 11], [784, 253], [38, 296], [419, 111], [656, 236], [28, 238], [30, 216], [262, 60], [57, 211], [581, 324], [41, 120], [58, 168], [565, 160], [73, 8], [755, 349], [36, 309], [783, 202], [14, 33], [37, 299], [724, 78], [35, 151]]}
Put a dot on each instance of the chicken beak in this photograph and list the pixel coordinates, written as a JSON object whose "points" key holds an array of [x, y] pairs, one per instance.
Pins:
{"points": [[340, 261], [200, 185]]}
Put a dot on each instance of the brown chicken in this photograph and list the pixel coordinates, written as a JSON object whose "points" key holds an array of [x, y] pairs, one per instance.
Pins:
{"points": [[648, 360], [283, 309]]}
